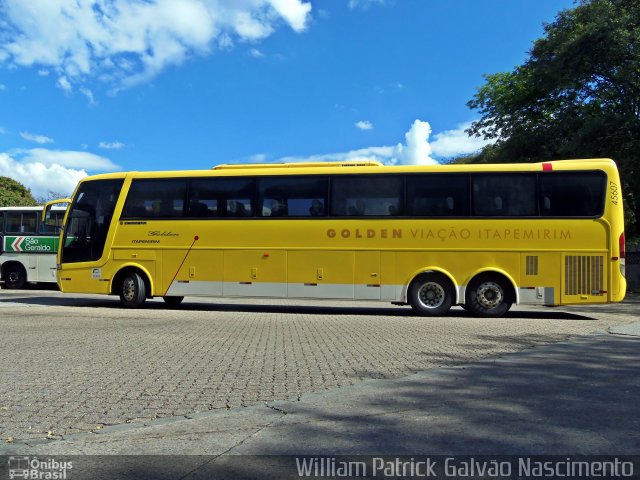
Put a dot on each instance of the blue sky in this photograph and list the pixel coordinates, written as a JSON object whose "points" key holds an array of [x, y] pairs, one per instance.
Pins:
{"points": [[92, 86]]}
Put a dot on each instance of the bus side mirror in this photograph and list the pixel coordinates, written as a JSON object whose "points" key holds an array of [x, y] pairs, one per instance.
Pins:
{"points": [[54, 221]]}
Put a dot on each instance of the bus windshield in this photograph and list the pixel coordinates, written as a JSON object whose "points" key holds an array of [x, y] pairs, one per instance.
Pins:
{"points": [[89, 219]]}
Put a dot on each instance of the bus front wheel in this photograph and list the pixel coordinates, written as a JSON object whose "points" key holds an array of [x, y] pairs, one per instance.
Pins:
{"points": [[431, 295], [488, 296], [15, 276], [173, 301], [133, 291]]}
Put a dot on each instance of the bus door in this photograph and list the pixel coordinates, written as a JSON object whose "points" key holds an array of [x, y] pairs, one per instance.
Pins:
{"points": [[46, 268]]}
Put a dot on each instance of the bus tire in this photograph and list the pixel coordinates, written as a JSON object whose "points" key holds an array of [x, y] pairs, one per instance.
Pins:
{"points": [[489, 295], [133, 291], [172, 301], [431, 294], [15, 276]]}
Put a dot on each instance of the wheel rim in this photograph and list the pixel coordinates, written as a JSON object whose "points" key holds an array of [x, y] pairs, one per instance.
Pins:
{"points": [[431, 295], [128, 289], [14, 276], [490, 295]]}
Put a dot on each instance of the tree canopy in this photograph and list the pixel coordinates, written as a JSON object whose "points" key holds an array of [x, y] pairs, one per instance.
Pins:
{"points": [[576, 96], [14, 194]]}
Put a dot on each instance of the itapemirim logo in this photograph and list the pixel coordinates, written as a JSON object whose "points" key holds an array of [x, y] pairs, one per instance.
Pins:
{"points": [[35, 469]]}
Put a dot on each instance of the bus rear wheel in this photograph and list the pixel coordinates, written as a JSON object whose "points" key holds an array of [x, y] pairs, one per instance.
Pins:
{"points": [[133, 291], [431, 295], [173, 301], [488, 295], [15, 276]]}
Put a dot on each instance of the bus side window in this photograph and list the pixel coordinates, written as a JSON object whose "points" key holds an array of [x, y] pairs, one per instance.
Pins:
{"points": [[29, 222], [201, 209], [504, 195], [239, 208], [572, 194], [367, 195], [197, 208], [221, 197], [203, 200], [155, 198], [57, 218], [278, 207], [317, 208], [357, 208], [292, 196], [449, 203], [438, 195], [14, 221], [19, 222]]}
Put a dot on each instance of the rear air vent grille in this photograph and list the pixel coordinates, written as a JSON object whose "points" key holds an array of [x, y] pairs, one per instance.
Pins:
{"points": [[584, 275], [532, 265]]}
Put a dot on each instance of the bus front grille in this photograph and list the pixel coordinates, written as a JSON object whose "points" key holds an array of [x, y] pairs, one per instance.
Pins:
{"points": [[583, 275]]}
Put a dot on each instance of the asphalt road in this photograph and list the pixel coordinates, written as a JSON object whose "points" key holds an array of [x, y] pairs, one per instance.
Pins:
{"points": [[78, 363]]}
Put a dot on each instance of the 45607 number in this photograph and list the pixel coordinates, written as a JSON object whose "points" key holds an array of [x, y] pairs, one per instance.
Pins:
{"points": [[613, 192]]}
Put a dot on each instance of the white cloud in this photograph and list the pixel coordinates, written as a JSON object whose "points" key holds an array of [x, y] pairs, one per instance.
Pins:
{"points": [[417, 150], [89, 94], [381, 154], [364, 125], [258, 158], [44, 170], [3, 87], [111, 145], [364, 3], [125, 42], [39, 177], [255, 53], [32, 137], [249, 27], [456, 142], [294, 12], [43, 72], [66, 158], [64, 83]]}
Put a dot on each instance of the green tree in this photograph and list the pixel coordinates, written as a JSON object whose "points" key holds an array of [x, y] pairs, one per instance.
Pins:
{"points": [[576, 96], [14, 194]]}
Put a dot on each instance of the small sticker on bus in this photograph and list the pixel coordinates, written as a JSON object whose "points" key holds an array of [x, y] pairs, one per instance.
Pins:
{"points": [[96, 274]]}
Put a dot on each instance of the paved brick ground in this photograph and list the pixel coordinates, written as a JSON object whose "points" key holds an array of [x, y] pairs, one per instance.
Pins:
{"points": [[75, 363]]}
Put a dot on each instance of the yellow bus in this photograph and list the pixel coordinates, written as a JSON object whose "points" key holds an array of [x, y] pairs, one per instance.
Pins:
{"points": [[480, 236]]}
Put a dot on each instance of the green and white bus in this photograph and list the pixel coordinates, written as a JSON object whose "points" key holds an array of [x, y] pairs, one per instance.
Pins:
{"points": [[28, 247]]}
